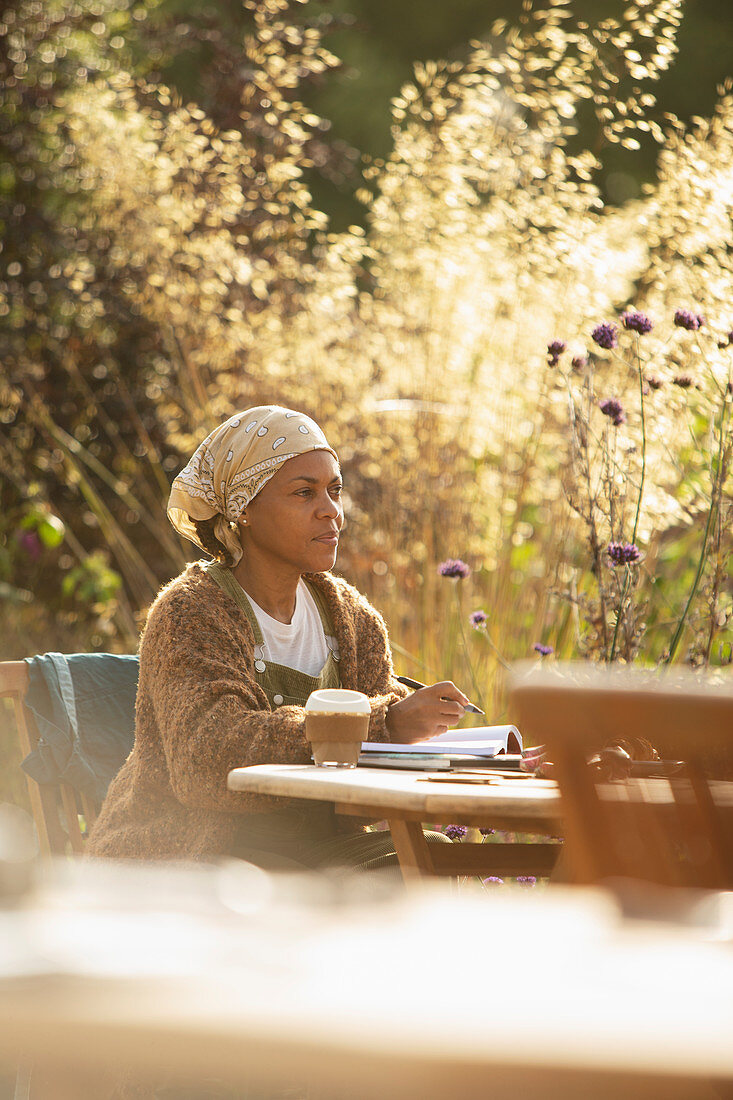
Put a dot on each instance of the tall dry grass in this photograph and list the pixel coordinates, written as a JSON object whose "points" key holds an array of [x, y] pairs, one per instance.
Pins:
{"points": [[421, 344]]}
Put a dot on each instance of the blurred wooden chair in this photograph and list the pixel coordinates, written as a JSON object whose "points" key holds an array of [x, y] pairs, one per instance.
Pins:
{"points": [[62, 815], [671, 828]]}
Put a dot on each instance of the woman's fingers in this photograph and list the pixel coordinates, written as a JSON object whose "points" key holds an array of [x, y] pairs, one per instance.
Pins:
{"points": [[428, 712], [444, 702], [453, 711], [446, 689]]}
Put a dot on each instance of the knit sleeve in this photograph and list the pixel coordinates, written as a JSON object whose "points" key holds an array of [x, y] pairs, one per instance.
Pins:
{"points": [[375, 669], [210, 714]]}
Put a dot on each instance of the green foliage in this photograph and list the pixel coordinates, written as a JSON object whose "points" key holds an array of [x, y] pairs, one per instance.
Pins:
{"points": [[49, 528], [92, 581]]}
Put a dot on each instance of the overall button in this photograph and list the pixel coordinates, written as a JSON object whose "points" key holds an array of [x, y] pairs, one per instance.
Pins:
{"points": [[277, 700]]}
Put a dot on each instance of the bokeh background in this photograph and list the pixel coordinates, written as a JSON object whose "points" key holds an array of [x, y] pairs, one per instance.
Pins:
{"points": [[382, 40], [384, 214]]}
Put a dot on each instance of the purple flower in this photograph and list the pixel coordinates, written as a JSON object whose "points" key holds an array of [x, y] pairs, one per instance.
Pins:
{"points": [[614, 410], [579, 362], [478, 619], [492, 880], [605, 335], [623, 553], [684, 381], [30, 544], [454, 568], [636, 322], [487, 832], [654, 383], [527, 880], [543, 650], [554, 351], [455, 832], [685, 318]]}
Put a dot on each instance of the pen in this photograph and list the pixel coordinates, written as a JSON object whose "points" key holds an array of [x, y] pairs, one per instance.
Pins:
{"points": [[416, 684]]}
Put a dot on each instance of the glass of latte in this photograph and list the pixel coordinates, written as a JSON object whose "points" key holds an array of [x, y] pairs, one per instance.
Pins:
{"points": [[336, 723]]}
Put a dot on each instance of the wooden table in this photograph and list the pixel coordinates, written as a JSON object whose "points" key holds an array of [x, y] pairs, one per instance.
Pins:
{"points": [[408, 798], [266, 981]]}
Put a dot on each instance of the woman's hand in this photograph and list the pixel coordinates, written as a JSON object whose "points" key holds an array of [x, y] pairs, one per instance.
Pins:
{"points": [[426, 713]]}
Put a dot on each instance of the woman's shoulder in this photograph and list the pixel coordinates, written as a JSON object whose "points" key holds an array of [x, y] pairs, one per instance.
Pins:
{"points": [[191, 581], [191, 596]]}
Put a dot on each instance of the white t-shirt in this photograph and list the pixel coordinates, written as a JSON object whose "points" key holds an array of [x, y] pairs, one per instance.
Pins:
{"points": [[300, 644]]}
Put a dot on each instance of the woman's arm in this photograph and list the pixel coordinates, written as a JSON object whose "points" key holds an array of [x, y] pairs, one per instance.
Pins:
{"points": [[209, 713], [375, 674]]}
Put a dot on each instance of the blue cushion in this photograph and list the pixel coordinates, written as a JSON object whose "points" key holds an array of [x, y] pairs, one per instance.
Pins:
{"points": [[84, 708]]}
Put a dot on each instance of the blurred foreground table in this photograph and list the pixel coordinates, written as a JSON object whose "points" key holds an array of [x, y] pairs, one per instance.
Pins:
{"points": [[334, 989], [406, 799]]}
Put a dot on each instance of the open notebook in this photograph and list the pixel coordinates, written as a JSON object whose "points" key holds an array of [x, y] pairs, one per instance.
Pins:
{"points": [[478, 742]]}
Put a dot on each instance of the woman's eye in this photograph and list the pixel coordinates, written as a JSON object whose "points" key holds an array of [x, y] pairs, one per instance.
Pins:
{"points": [[306, 492]]}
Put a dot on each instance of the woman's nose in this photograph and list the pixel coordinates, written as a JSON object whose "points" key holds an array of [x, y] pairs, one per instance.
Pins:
{"points": [[330, 507]]}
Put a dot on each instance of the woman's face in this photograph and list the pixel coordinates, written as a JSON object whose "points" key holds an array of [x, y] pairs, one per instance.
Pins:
{"points": [[296, 517]]}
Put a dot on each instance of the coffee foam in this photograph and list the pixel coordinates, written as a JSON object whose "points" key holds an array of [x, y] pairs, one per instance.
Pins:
{"points": [[337, 701]]}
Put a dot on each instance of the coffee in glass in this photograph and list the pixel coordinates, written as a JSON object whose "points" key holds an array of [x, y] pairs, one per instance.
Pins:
{"points": [[336, 723]]}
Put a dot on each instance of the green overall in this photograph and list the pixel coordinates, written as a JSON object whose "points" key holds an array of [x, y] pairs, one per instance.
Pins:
{"points": [[304, 833]]}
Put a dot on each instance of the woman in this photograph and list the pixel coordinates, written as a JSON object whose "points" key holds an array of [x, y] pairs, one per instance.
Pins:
{"points": [[233, 647]]}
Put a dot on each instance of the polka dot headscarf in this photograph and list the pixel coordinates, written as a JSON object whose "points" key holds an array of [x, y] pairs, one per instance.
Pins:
{"points": [[233, 463]]}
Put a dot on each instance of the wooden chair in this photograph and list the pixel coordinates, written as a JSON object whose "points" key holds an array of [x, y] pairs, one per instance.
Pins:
{"points": [[674, 830], [58, 810]]}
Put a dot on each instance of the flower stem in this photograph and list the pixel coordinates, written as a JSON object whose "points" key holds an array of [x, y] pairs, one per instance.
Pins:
{"points": [[619, 613], [643, 443], [497, 652], [693, 591], [716, 489], [467, 652]]}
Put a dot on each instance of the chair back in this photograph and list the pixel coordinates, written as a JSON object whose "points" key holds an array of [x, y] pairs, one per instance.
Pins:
{"points": [[673, 828], [62, 815]]}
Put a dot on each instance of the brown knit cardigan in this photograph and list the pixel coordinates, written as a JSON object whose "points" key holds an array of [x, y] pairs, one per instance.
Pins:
{"points": [[201, 712]]}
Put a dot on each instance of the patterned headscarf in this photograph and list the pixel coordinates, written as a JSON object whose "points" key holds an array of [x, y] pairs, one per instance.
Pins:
{"points": [[232, 464]]}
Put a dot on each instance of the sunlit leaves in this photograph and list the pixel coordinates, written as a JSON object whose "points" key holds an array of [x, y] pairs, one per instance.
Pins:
{"points": [[164, 264]]}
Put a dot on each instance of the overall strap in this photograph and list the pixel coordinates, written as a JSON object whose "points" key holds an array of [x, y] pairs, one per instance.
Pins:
{"points": [[280, 684], [233, 588]]}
